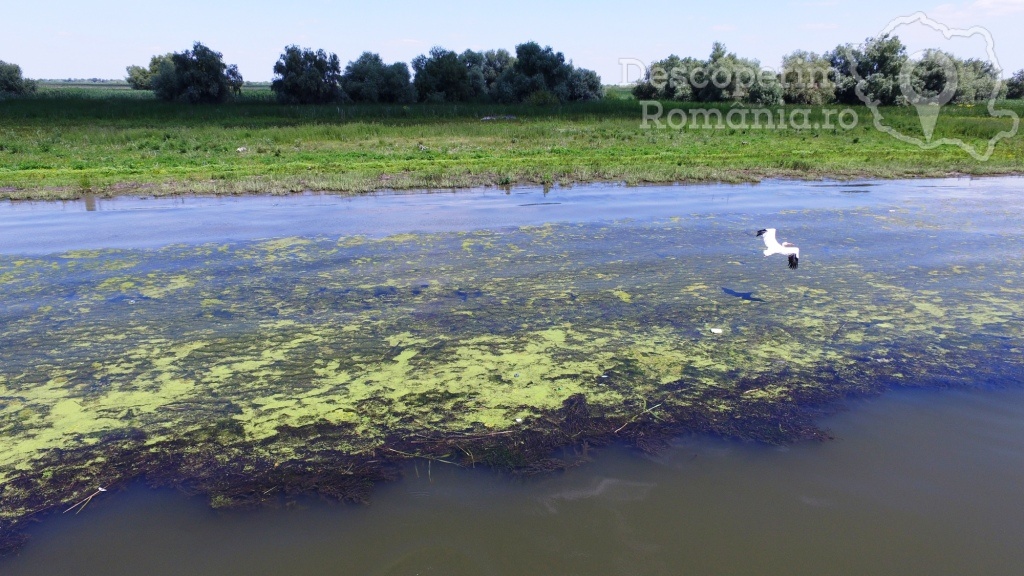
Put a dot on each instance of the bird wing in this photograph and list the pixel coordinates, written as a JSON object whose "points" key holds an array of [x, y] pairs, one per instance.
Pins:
{"points": [[769, 240], [794, 261]]}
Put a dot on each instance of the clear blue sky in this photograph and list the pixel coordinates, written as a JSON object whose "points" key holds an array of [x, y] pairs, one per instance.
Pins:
{"points": [[84, 39]]}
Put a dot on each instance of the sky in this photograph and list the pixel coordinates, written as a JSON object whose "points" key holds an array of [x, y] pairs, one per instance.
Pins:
{"points": [[98, 39]]}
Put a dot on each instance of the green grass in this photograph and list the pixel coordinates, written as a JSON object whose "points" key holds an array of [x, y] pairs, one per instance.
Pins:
{"points": [[70, 140]]}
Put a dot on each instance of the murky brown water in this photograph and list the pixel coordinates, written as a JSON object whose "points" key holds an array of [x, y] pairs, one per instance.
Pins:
{"points": [[915, 483]]}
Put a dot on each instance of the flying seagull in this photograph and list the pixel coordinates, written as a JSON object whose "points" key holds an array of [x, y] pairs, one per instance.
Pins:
{"points": [[773, 247]]}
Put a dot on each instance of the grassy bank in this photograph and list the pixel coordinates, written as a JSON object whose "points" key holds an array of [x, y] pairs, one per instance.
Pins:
{"points": [[70, 141]]}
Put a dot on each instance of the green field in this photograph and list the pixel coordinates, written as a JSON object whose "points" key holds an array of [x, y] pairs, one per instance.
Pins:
{"points": [[73, 139]]}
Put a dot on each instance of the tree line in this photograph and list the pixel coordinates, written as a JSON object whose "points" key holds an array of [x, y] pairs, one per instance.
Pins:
{"points": [[875, 70], [305, 76], [848, 74]]}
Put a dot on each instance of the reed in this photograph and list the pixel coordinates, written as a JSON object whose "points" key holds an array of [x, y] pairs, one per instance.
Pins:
{"points": [[125, 142]]}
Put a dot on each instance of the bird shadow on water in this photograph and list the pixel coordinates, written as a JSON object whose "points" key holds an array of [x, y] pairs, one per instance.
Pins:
{"points": [[742, 295]]}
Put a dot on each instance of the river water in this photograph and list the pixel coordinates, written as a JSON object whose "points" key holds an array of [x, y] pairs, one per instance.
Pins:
{"points": [[916, 481]]}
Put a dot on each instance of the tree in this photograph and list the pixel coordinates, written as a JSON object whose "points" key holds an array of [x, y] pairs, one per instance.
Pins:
{"points": [[669, 79], [979, 81], [538, 70], [140, 78], [584, 85], [484, 69], [235, 80], [542, 75], [303, 76], [931, 75], [873, 67], [722, 77], [969, 81], [195, 76], [12, 82], [494, 65], [535, 74], [766, 90], [369, 79], [442, 77], [807, 79], [726, 76], [1015, 85], [474, 63]]}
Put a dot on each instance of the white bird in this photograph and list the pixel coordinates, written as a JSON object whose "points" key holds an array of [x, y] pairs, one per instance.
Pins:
{"points": [[773, 247]]}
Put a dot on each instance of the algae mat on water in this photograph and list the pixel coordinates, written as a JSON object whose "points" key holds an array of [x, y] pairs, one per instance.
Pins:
{"points": [[246, 370]]}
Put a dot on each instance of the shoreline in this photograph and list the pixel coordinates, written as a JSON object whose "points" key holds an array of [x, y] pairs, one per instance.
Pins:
{"points": [[178, 190]]}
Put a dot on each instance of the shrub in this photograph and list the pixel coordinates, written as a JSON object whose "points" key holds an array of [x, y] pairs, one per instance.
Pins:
{"points": [[12, 82], [196, 76], [303, 76], [644, 90], [140, 78], [1015, 85]]}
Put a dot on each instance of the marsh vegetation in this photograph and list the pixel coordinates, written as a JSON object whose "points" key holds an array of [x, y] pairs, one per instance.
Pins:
{"points": [[70, 141]]}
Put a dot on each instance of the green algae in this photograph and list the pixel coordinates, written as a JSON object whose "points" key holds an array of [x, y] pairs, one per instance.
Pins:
{"points": [[313, 354]]}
